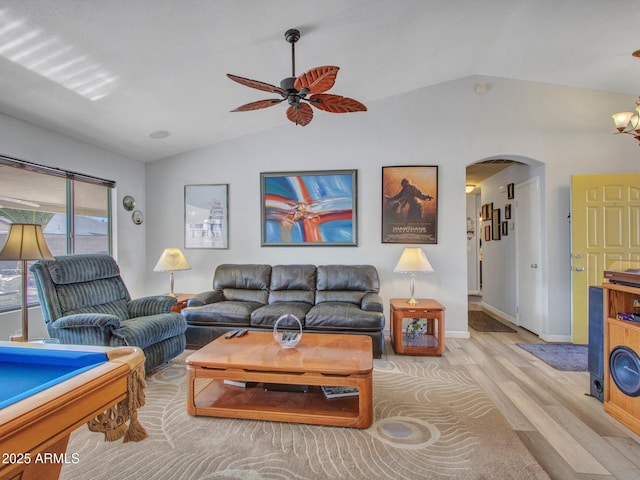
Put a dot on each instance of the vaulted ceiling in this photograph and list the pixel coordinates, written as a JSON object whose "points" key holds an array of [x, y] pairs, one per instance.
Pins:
{"points": [[111, 72]]}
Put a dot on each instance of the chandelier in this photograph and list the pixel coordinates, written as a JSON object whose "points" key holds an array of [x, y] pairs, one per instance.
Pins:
{"points": [[629, 122]]}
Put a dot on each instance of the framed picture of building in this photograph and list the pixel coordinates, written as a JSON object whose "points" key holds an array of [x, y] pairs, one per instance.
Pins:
{"points": [[410, 204], [309, 208], [206, 216]]}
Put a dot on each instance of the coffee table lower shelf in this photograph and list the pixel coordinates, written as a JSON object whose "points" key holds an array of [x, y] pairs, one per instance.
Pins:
{"points": [[254, 402]]}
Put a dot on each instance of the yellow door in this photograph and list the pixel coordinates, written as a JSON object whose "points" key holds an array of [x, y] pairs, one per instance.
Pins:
{"points": [[605, 227]]}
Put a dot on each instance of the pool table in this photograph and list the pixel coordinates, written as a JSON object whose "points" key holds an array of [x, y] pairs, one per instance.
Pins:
{"points": [[65, 387]]}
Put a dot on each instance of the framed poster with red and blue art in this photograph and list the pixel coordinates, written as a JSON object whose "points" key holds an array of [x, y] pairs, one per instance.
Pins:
{"points": [[316, 208]]}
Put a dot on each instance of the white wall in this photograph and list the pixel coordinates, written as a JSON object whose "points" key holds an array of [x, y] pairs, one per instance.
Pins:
{"points": [[448, 125], [25, 141]]}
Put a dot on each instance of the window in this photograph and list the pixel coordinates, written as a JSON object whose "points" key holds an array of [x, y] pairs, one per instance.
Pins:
{"points": [[31, 193]]}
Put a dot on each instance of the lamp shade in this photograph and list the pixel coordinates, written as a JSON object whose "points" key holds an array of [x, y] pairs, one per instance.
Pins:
{"points": [[25, 242], [413, 260], [171, 260]]}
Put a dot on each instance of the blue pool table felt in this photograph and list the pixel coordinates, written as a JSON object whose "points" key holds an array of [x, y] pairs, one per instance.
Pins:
{"points": [[27, 371]]}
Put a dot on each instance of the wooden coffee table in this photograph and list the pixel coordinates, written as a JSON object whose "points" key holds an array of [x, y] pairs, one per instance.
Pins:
{"points": [[319, 359]]}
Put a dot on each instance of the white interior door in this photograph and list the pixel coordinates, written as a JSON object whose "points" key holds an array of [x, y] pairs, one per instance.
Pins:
{"points": [[528, 267]]}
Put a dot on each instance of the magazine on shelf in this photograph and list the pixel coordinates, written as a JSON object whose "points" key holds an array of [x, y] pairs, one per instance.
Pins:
{"points": [[239, 383], [338, 392]]}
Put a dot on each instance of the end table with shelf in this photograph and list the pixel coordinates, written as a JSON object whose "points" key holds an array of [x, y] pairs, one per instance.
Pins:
{"points": [[427, 342], [182, 299]]}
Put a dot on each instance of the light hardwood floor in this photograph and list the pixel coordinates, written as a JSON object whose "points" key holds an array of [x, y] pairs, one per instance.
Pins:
{"points": [[564, 428]]}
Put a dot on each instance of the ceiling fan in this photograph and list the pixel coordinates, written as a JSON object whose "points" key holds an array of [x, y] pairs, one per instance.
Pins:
{"points": [[300, 92]]}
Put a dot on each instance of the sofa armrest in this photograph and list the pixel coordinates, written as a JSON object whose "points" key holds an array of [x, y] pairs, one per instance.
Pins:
{"points": [[204, 298], [145, 306], [86, 320], [372, 302]]}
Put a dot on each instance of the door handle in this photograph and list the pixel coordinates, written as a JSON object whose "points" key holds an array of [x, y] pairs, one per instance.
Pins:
{"points": [[579, 269]]}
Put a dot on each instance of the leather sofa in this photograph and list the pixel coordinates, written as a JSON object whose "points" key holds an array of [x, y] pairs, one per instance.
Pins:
{"points": [[325, 298]]}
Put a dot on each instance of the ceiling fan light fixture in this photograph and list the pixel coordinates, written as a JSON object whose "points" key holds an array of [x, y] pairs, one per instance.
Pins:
{"points": [[295, 90]]}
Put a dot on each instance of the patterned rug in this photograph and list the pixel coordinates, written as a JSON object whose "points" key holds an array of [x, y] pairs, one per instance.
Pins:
{"points": [[561, 356], [482, 322], [429, 423]]}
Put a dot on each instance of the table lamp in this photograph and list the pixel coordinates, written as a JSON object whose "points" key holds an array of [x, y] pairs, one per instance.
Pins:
{"points": [[171, 260], [25, 242], [413, 261]]}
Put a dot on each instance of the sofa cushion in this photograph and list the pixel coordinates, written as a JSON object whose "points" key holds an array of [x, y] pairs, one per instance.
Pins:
{"points": [[342, 316], [243, 282], [268, 315], [229, 313], [293, 283], [242, 276], [293, 277], [240, 295], [344, 296], [145, 331], [363, 278]]}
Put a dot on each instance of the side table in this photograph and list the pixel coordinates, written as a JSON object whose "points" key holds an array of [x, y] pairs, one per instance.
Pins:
{"points": [[182, 299], [428, 340]]}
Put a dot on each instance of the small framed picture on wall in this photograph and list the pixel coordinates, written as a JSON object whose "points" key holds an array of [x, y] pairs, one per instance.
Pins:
{"points": [[487, 233], [507, 211], [495, 224], [206, 216], [510, 192], [505, 228]]}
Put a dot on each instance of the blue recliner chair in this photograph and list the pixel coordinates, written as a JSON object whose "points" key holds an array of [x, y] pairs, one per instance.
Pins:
{"points": [[85, 302]]}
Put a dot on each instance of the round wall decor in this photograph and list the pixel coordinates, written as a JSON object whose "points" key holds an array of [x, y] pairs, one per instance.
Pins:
{"points": [[128, 203], [137, 217], [624, 366]]}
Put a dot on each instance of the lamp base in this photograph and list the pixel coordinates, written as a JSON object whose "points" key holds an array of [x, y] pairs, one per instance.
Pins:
{"points": [[413, 301]]}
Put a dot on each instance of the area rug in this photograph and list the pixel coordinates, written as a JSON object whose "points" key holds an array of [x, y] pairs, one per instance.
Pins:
{"points": [[430, 422], [482, 322], [561, 356]]}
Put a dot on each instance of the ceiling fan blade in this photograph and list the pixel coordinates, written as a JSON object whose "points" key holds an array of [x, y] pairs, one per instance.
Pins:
{"points": [[258, 105], [266, 87], [336, 103], [317, 80], [300, 116]]}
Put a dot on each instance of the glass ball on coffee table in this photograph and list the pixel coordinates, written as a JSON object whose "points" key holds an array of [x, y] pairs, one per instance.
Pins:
{"points": [[287, 331]]}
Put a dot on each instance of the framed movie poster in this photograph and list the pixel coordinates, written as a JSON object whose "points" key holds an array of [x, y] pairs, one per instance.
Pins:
{"points": [[410, 204], [206, 216], [309, 208]]}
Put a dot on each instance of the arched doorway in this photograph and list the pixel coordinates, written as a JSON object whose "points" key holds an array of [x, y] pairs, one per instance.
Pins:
{"points": [[493, 251]]}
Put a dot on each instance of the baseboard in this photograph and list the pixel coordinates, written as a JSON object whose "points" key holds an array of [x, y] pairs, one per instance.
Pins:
{"points": [[457, 334], [555, 338], [498, 313]]}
